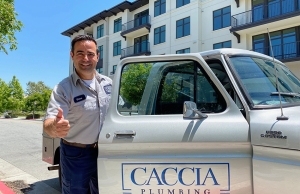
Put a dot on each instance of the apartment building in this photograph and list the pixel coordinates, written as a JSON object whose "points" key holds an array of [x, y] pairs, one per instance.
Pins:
{"points": [[154, 27]]}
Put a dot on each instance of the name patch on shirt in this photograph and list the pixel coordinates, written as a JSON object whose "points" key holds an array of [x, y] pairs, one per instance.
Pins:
{"points": [[107, 88], [79, 98]]}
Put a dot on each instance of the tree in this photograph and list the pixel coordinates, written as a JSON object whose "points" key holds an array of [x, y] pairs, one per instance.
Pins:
{"points": [[8, 25], [38, 87], [16, 96], [134, 79], [37, 101], [4, 95]]}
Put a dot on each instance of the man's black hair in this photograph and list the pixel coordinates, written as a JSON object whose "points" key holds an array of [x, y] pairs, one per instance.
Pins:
{"points": [[80, 38]]}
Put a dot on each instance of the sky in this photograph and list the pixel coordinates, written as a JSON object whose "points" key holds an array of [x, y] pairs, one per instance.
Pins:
{"points": [[43, 52]]}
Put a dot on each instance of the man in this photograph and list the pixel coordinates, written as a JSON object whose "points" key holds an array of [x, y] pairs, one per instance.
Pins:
{"points": [[75, 113]]}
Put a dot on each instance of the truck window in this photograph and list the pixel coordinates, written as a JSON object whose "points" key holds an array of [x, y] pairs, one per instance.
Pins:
{"points": [[262, 85], [161, 88], [218, 69]]}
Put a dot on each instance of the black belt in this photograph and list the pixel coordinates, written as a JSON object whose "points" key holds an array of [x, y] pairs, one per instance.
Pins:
{"points": [[80, 145]]}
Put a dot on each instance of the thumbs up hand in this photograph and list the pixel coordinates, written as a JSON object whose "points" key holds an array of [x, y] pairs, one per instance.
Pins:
{"points": [[61, 126]]}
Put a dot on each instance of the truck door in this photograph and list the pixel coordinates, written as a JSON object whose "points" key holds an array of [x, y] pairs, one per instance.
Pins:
{"points": [[146, 146]]}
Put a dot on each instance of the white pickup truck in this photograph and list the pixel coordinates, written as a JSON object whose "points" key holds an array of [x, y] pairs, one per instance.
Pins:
{"points": [[220, 121]]}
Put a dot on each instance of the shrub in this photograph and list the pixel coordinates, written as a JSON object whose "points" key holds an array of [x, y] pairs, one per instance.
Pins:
{"points": [[36, 116]]}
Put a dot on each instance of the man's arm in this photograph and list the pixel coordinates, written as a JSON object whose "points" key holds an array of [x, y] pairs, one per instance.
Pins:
{"points": [[58, 126]]}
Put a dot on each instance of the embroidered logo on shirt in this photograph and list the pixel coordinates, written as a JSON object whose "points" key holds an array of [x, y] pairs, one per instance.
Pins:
{"points": [[107, 88], [79, 98]]}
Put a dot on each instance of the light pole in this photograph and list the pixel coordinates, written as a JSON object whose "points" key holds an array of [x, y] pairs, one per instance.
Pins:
{"points": [[33, 109]]}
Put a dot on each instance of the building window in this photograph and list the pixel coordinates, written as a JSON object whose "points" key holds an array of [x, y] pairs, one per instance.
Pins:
{"points": [[284, 44], [159, 7], [226, 44], [100, 70], [222, 18], [100, 48], [183, 27], [118, 25], [114, 69], [141, 18], [186, 50], [180, 3], [259, 43], [160, 35], [100, 31], [117, 48]]}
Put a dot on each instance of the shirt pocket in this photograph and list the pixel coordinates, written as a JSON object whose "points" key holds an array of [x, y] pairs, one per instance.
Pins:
{"points": [[90, 111], [75, 113]]}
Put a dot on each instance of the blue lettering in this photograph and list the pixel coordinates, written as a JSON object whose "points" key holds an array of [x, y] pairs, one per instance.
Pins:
{"points": [[206, 191], [132, 176], [212, 176], [163, 176], [198, 176], [180, 176], [162, 191], [170, 192], [155, 176]]}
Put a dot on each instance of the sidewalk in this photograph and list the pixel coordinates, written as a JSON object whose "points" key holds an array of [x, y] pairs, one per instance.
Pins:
{"points": [[22, 118]]}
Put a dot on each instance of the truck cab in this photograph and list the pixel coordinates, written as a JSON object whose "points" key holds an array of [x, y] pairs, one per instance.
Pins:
{"points": [[220, 121]]}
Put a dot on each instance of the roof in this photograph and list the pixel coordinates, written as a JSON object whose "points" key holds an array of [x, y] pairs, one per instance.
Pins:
{"points": [[235, 51], [106, 13]]}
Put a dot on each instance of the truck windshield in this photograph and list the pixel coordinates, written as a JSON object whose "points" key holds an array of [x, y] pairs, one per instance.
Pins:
{"points": [[258, 77]]}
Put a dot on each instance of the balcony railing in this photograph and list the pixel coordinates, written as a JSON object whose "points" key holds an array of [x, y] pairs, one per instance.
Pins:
{"points": [[138, 22], [142, 48], [263, 12], [282, 51]]}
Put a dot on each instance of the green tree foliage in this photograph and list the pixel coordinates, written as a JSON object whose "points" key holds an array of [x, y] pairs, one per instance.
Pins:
{"points": [[4, 95], [38, 87], [8, 25], [38, 96], [134, 79], [16, 96]]}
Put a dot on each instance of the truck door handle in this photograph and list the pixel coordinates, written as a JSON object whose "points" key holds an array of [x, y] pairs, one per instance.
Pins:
{"points": [[125, 134]]}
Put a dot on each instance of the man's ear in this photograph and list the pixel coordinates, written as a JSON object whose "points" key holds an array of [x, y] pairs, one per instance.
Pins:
{"points": [[71, 54]]}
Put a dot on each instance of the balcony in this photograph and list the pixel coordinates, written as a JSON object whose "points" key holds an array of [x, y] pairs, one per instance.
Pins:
{"points": [[138, 49], [284, 52], [136, 27], [276, 11]]}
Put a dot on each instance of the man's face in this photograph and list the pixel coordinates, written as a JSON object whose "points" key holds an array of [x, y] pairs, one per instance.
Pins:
{"points": [[85, 58]]}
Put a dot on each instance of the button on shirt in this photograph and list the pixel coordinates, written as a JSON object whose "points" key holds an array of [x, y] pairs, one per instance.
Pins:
{"points": [[83, 106]]}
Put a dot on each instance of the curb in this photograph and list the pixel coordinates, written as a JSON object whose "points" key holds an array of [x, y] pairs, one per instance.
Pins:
{"points": [[4, 189]]}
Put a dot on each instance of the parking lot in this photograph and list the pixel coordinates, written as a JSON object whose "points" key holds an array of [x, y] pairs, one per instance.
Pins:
{"points": [[21, 165]]}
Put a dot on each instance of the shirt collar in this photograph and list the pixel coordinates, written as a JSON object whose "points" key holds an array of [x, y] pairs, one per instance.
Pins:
{"points": [[75, 77]]}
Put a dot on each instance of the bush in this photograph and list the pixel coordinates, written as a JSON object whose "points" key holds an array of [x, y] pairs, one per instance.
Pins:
{"points": [[36, 116]]}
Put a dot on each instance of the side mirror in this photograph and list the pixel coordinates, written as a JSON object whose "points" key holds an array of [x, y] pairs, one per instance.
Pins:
{"points": [[190, 111]]}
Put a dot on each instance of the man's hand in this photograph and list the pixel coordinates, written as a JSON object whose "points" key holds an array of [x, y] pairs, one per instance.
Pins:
{"points": [[61, 126]]}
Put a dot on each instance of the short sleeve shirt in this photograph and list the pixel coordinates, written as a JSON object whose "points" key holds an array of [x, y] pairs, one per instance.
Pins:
{"points": [[84, 107]]}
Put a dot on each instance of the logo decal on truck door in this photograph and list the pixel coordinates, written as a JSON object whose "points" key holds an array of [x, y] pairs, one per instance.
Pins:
{"points": [[175, 178]]}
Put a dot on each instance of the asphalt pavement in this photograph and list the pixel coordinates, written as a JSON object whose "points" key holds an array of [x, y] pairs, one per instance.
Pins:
{"points": [[21, 165]]}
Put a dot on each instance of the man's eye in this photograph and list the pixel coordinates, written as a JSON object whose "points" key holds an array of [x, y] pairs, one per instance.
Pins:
{"points": [[91, 54]]}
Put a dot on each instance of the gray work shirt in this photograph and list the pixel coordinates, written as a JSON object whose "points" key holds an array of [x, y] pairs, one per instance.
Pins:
{"points": [[84, 107]]}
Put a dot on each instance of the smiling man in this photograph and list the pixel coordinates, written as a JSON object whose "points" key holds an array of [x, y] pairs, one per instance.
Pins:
{"points": [[75, 113]]}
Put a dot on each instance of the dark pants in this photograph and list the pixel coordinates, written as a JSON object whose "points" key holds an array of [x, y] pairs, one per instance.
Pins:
{"points": [[78, 169]]}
